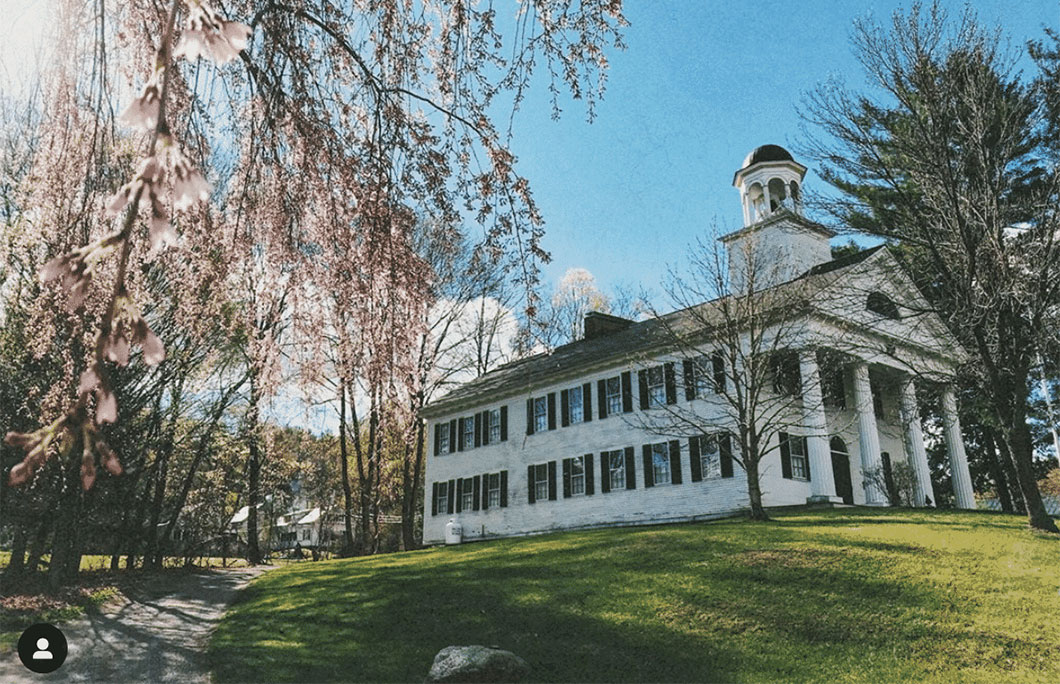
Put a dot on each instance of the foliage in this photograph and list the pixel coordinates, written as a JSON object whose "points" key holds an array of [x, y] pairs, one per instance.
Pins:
{"points": [[841, 595]]}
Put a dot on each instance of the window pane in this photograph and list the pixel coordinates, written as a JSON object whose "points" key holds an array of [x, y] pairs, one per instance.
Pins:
{"points": [[574, 397], [469, 432], [541, 481], [661, 463], [614, 395], [709, 456], [540, 414], [656, 386], [443, 440], [495, 426], [493, 486], [617, 463]]}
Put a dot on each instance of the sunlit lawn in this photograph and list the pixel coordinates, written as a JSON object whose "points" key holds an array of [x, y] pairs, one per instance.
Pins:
{"points": [[851, 595]]}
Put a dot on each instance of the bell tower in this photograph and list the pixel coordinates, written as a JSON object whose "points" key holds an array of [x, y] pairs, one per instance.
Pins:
{"points": [[777, 243]]}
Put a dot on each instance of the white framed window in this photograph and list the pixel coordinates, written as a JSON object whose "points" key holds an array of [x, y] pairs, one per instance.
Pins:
{"points": [[540, 483], [660, 462], [307, 534], [797, 450], [614, 395], [467, 495], [616, 468], [443, 438], [540, 414], [494, 431], [469, 432], [443, 497], [710, 456], [493, 490], [576, 411], [656, 387], [577, 475], [703, 374]]}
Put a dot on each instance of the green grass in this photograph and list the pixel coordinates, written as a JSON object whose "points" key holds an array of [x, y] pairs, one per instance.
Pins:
{"points": [[844, 596]]}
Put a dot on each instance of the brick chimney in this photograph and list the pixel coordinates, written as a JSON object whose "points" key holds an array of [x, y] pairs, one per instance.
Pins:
{"points": [[599, 324]]}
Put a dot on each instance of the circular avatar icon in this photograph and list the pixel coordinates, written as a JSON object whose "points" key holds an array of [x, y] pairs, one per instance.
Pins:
{"points": [[42, 648]]}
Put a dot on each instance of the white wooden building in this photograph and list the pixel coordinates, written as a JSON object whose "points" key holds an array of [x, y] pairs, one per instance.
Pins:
{"points": [[559, 440]]}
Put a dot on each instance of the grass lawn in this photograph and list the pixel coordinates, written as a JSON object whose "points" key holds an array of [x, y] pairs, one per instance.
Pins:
{"points": [[844, 595]]}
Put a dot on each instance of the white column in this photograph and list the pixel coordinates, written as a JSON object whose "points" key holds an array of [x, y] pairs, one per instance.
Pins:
{"points": [[914, 444], [767, 210], [822, 482], [868, 436], [746, 209], [959, 475]]}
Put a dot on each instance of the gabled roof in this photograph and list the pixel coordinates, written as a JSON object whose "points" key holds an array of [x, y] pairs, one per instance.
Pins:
{"points": [[575, 358]]}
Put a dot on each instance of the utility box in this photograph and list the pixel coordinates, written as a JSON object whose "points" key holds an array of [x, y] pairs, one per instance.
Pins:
{"points": [[454, 532]]}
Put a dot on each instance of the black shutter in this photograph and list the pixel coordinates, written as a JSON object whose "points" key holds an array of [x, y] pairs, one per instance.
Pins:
{"points": [[452, 436], [551, 410], [649, 471], [434, 499], [642, 387], [459, 494], [437, 438], [671, 383], [485, 427], [564, 408], [806, 452], [588, 463], [675, 462], [451, 489], [476, 492], [631, 469], [504, 489], [718, 361], [478, 430], [551, 480], [605, 472], [689, 373], [530, 416], [504, 423], [601, 398], [566, 478], [530, 484], [725, 453], [460, 434], [627, 393], [485, 491], [785, 456], [694, 459], [587, 402]]}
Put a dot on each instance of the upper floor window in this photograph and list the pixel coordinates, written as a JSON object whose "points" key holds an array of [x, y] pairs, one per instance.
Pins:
{"points": [[443, 438], [494, 428], [613, 387], [883, 305], [469, 432], [786, 377], [540, 414], [656, 387], [576, 409], [833, 384]]}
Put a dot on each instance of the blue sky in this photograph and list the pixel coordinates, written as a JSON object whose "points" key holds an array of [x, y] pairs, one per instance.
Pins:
{"points": [[700, 85]]}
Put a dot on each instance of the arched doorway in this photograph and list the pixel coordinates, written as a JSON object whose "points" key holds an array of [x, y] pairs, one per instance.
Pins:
{"points": [[844, 488]]}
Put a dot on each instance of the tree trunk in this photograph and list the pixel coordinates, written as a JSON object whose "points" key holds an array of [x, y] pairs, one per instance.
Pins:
{"points": [[347, 493], [754, 486], [38, 545], [1020, 443], [993, 459], [65, 557], [254, 476], [18, 553], [411, 488]]}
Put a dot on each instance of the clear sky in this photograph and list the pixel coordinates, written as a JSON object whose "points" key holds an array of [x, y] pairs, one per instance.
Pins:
{"points": [[701, 84]]}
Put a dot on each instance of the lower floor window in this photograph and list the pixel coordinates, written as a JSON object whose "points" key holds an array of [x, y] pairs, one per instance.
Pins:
{"points": [[799, 466], [660, 457], [540, 483], [577, 475], [710, 456], [443, 497], [467, 496], [616, 461], [493, 489]]}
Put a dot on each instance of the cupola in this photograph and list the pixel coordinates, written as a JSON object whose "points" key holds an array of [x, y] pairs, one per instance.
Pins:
{"points": [[777, 243]]}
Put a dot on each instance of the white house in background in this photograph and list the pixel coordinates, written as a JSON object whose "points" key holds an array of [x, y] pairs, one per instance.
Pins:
{"points": [[554, 441]]}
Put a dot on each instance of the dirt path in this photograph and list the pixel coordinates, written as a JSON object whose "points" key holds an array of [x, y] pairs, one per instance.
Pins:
{"points": [[157, 635]]}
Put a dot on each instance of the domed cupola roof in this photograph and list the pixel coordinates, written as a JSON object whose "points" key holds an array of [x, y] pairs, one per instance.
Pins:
{"points": [[767, 153]]}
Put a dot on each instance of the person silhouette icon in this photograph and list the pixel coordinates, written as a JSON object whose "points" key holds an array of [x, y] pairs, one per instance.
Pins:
{"points": [[42, 650]]}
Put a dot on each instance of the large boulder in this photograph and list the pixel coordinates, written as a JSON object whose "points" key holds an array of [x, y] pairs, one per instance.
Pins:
{"points": [[477, 664]]}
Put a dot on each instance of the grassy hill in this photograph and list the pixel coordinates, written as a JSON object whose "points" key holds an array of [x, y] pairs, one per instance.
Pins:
{"points": [[846, 596]]}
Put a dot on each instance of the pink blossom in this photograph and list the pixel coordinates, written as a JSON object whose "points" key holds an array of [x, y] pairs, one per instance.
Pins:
{"points": [[89, 380], [142, 112], [189, 188], [108, 458], [118, 201], [208, 34], [161, 232], [54, 268], [88, 474], [106, 406], [116, 348], [19, 475], [154, 351]]}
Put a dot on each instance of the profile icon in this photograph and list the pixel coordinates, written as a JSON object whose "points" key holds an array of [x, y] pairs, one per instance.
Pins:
{"points": [[42, 648]]}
